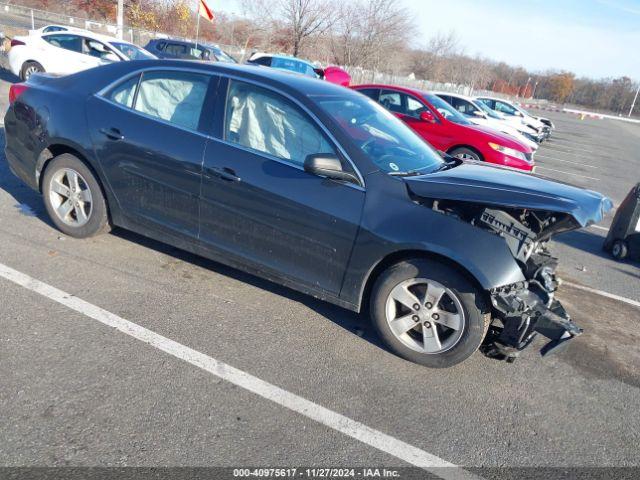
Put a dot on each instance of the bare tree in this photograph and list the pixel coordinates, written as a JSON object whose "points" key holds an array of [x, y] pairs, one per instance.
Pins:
{"points": [[298, 20], [371, 33]]}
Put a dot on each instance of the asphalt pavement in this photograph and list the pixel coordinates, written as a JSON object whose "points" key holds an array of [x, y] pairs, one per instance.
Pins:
{"points": [[76, 392]]}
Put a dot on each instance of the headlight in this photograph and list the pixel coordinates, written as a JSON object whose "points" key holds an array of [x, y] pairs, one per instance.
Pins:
{"points": [[508, 151]]}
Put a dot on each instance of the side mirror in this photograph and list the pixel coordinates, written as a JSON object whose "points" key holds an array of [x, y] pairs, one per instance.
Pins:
{"points": [[479, 114], [428, 117], [326, 165]]}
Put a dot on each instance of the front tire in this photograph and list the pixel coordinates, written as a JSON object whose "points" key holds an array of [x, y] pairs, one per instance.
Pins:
{"points": [[428, 313], [465, 154], [29, 68], [73, 198]]}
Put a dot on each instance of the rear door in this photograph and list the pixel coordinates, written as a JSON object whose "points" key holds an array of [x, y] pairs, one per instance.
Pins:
{"points": [[260, 207], [63, 53], [148, 137]]}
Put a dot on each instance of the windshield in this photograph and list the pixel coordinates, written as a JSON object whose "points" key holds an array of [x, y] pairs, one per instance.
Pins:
{"points": [[386, 140], [482, 106], [132, 52], [222, 56], [446, 110]]}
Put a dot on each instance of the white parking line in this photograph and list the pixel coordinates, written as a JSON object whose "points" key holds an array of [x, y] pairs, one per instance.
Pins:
{"points": [[568, 147], [566, 173], [603, 294], [598, 227], [284, 398], [539, 155]]}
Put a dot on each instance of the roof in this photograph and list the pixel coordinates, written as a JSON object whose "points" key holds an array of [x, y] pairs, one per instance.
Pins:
{"points": [[88, 34], [451, 94], [284, 80]]}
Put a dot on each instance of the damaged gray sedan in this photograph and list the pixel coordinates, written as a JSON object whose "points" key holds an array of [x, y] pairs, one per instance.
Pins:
{"points": [[309, 185]]}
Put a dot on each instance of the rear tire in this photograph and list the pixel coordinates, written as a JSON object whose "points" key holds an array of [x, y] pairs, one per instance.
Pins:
{"points": [[73, 198], [466, 154], [29, 68], [620, 250], [448, 326]]}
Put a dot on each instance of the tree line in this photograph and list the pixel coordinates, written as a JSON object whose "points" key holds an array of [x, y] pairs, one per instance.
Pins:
{"points": [[375, 35]]}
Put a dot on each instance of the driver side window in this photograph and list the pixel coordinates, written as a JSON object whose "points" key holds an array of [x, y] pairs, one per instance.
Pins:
{"points": [[264, 121], [414, 107]]}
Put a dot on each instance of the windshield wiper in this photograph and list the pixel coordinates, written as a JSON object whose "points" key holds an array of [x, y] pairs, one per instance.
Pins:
{"points": [[410, 173]]}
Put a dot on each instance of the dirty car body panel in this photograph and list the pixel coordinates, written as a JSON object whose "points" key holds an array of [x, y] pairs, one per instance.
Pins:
{"points": [[196, 188]]}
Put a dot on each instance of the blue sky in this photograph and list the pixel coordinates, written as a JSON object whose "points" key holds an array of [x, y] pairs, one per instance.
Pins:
{"points": [[596, 38]]}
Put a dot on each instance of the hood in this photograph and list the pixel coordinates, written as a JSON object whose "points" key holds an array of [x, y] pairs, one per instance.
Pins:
{"points": [[504, 187], [501, 138]]}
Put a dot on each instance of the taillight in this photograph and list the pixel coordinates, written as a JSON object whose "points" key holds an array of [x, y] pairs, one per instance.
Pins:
{"points": [[15, 91], [15, 43]]}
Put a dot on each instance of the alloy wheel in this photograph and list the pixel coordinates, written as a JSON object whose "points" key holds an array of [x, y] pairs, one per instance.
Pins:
{"points": [[425, 316], [70, 197], [30, 71]]}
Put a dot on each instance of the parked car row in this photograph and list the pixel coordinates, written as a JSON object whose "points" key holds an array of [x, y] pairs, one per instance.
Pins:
{"points": [[480, 129], [328, 190]]}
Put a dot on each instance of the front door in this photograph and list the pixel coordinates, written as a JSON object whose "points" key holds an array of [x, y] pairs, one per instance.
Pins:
{"points": [[408, 109], [146, 134], [260, 207]]}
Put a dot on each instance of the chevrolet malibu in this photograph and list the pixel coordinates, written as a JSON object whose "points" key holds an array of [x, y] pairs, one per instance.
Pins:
{"points": [[309, 185]]}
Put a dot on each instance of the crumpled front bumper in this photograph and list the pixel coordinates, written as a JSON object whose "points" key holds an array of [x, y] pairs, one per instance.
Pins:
{"points": [[526, 310]]}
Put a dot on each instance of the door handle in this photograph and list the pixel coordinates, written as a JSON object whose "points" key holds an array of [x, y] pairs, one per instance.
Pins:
{"points": [[112, 133], [224, 173]]}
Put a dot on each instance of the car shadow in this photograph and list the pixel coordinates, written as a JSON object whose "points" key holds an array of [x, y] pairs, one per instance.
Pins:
{"points": [[355, 323], [7, 76]]}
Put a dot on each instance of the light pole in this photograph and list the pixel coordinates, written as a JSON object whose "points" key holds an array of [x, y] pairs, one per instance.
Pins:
{"points": [[120, 19], [633, 104]]}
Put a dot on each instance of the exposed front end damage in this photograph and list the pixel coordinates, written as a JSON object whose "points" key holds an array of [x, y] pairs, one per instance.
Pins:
{"points": [[525, 211], [523, 310]]}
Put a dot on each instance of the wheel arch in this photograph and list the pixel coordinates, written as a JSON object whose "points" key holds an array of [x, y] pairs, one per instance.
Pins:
{"points": [[404, 255], [470, 147], [58, 148]]}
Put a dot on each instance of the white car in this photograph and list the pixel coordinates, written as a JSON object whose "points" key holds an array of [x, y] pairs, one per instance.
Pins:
{"points": [[514, 114], [480, 114], [66, 52]]}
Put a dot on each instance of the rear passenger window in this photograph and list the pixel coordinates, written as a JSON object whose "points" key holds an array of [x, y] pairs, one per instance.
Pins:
{"points": [[175, 49], [176, 97], [391, 101], [125, 93], [68, 42], [372, 93]]}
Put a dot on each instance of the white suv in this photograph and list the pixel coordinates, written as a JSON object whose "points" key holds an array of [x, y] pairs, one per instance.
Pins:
{"points": [[66, 52]]}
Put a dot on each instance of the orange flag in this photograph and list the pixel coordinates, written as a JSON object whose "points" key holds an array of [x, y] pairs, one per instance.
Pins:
{"points": [[205, 11]]}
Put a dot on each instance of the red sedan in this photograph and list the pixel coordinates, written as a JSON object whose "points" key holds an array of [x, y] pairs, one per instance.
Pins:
{"points": [[447, 129]]}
